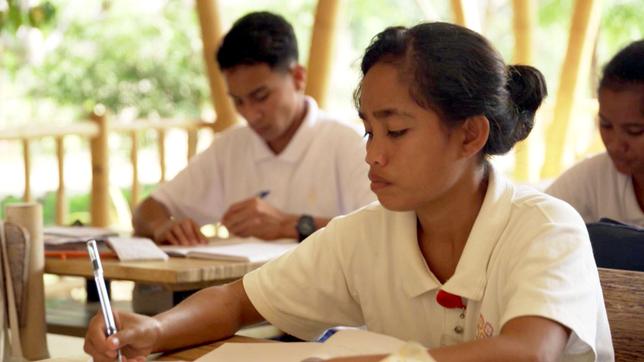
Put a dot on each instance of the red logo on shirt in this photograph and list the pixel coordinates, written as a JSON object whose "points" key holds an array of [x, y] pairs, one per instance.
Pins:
{"points": [[483, 328], [449, 300]]}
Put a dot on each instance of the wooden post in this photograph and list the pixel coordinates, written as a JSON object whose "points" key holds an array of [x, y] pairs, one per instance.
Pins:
{"points": [[192, 142], [211, 33], [466, 13], [100, 170], [523, 21], [323, 38], [61, 202], [161, 151], [134, 158], [583, 31], [26, 158]]}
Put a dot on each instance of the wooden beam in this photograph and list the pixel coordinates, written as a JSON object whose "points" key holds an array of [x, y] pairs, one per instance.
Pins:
{"points": [[100, 170], [161, 151], [583, 31], [26, 159], [323, 39], [466, 13], [523, 23], [211, 34], [134, 158], [61, 202]]}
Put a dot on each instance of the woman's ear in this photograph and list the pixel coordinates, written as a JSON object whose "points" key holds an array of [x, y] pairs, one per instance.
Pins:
{"points": [[299, 76], [475, 131]]}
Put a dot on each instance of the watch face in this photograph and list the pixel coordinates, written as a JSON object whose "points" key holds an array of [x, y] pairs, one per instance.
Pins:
{"points": [[305, 226]]}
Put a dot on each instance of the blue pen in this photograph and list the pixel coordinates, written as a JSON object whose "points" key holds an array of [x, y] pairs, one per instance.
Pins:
{"points": [[263, 194]]}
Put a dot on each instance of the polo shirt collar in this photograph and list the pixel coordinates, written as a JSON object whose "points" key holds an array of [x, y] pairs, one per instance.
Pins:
{"points": [[298, 144], [470, 277]]}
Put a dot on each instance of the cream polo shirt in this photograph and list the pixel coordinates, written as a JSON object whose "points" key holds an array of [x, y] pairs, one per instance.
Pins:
{"points": [[528, 255], [596, 189], [321, 172]]}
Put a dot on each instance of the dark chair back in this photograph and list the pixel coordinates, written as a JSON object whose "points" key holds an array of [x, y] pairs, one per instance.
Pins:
{"points": [[617, 245]]}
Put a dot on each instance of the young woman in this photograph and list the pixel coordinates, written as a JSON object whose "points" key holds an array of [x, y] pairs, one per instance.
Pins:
{"points": [[453, 255], [611, 184]]}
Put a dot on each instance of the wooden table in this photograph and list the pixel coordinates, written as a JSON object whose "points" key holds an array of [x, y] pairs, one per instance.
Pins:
{"points": [[176, 274]]}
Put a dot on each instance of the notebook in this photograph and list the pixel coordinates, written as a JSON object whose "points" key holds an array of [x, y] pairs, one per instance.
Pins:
{"points": [[253, 251], [342, 344]]}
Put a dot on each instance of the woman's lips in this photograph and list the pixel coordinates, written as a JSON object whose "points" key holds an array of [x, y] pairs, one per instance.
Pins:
{"points": [[378, 182]]}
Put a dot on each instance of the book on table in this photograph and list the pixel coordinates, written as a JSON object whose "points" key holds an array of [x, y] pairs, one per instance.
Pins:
{"points": [[234, 249]]}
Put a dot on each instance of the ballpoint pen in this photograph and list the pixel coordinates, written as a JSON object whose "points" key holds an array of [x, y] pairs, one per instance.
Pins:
{"points": [[106, 308]]}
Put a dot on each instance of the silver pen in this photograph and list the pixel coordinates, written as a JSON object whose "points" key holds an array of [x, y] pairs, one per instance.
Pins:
{"points": [[106, 308]]}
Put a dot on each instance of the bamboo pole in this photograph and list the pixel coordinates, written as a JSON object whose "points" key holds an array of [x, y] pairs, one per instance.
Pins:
{"points": [[134, 158], [61, 202], [583, 31], [161, 151], [458, 8], [523, 22], [100, 170], [211, 33], [192, 142], [26, 158], [325, 31], [466, 13]]}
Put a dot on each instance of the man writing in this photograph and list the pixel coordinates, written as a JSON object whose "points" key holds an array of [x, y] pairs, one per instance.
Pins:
{"points": [[284, 174]]}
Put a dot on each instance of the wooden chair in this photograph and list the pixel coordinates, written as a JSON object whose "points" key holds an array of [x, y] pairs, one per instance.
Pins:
{"points": [[624, 297]]}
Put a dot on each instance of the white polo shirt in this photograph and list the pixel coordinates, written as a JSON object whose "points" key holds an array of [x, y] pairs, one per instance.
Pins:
{"points": [[321, 172], [596, 189], [528, 255]]}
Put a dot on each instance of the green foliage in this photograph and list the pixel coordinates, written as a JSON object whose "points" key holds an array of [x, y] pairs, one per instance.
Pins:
{"points": [[14, 15], [152, 65]]}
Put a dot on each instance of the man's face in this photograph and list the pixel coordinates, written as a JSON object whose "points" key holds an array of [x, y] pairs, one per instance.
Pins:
{"points": [[268, 99]]}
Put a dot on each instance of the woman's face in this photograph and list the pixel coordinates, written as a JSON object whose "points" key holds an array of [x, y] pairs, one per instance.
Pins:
{"points": [[621, 125], [411, 155]]}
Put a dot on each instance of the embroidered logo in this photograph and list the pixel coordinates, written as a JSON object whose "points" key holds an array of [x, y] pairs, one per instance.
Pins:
{"points": [[483, 328]]}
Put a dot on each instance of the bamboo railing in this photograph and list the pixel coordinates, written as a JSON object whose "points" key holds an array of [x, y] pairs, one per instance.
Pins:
{"points": [[97, 130]]}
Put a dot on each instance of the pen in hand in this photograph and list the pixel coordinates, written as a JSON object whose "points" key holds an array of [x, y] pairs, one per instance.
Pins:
{"points": [[106, 308], [263, 194]]}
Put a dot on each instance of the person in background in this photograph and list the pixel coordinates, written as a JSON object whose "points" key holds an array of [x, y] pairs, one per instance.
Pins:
{"points": [[611, 184], [282, 175], [453, 255]]}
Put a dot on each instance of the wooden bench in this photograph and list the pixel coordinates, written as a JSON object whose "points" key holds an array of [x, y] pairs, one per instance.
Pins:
{"points": [[624, 298]]}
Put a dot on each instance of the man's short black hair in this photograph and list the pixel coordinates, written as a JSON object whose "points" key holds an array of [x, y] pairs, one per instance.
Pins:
{"points": [[259, 37]]}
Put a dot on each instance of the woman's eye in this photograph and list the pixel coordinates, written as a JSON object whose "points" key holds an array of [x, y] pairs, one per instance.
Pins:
{"points": [[367, 134], [604, 125], [396, 134], [635, 131]]}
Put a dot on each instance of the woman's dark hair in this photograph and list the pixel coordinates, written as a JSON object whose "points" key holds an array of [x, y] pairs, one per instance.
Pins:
{"points": [[458, 74], [259, 37], [625, 69]]}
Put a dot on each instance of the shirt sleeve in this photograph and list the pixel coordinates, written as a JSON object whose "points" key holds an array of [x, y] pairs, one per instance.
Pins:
{"points": [[554, 276], [353, 171], [305, 291], [195, 192], [573, 186]]}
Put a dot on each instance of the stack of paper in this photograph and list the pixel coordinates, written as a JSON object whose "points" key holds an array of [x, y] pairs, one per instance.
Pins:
{"points": [[252, 251], [57, 235]]}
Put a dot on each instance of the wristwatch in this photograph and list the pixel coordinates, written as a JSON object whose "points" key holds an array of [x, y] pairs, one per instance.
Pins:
{"points": [[305, 226]]}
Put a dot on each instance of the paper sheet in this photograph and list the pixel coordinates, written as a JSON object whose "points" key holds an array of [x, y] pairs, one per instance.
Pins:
{"points": [[249, 250], [133, 248], [344, 343]]}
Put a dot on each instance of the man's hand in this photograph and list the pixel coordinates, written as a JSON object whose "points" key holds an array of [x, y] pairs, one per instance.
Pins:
{"points": [[255, 217], [136, 337], [179, 232]]}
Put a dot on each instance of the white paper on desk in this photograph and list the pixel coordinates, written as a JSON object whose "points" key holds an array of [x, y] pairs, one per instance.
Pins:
{"points": [[245, 250], [343, 343], [131, 248], [55, 235]]}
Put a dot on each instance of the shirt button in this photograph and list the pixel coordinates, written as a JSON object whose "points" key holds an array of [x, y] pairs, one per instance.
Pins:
{"points": [[458, 330]]}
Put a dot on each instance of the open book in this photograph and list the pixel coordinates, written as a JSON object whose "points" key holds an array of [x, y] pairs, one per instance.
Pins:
{"points": [[244, 250], [345, 343]]}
